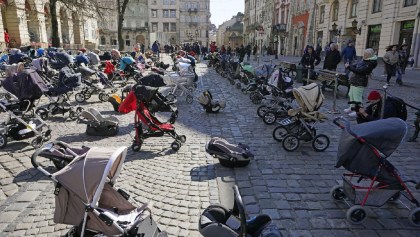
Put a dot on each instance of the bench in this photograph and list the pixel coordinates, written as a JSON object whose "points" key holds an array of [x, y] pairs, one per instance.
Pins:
{"points": [[328, 78]]}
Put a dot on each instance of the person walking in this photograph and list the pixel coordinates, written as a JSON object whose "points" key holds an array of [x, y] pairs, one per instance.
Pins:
{"points": [[391, 59], [255, 51], [248, 52], [349, 54], [242, 53], [359, 80], [333, 58], [155, 48], [309, 60], [404, 56]]}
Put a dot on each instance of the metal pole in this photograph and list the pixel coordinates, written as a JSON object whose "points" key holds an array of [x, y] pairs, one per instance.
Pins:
{"points": [[383, 101], [334, 110]]}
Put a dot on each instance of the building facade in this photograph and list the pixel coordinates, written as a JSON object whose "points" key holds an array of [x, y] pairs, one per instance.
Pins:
{"points": [[233, 34], [28, 22], [164, 21], [220, 33], [280, 25], [194, 21]]}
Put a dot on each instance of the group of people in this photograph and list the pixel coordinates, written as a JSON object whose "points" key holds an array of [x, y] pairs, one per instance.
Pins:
{"points": [[240, 51]]}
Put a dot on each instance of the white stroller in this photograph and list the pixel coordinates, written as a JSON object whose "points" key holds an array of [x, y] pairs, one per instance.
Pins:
{"points": [[183, 82], [85, 196]]}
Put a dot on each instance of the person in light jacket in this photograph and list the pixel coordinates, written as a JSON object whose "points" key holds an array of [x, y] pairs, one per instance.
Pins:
{"points": [[391, 59]]}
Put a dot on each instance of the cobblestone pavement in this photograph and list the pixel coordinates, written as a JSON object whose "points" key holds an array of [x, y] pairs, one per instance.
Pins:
{"points": [[292, 187]]}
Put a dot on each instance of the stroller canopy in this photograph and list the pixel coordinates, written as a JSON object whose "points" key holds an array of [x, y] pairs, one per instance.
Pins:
{"points": [[126, 61], [25, 85], [153, 79], [144, 93], [93, 58], [64, 58], [309, 97], [40, 64], [385, 135], [85, 176]]}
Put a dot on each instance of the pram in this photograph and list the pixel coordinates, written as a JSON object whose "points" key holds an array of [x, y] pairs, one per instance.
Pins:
{"points": [[229, 155], [92, 85], [373, 180], [218, 221], [97, 124], [146, 124], [183, 82], [48, 74], [210, 105], [85, 196], [301, 123], [58, 60]]}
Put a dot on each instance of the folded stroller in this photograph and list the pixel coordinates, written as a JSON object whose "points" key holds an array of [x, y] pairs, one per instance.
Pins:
{"points": [[302, 121], [210, 105], [85, 196], [97, 124], [146, 124], [372, 180], [229, 155], [218, 221]]}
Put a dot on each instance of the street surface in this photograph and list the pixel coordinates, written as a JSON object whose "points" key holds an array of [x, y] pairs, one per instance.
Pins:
{"points": [[292, 187]]}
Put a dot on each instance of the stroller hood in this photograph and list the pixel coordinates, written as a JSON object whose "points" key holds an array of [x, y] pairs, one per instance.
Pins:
{"points": [[385, 135], [40, 64], [152, 79], [25, 85], [93, 58], [126, 61], [64, 58], [86, 175], [144, 93], [309, 97]]}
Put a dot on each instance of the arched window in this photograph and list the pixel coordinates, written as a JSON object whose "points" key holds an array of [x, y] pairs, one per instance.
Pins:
{"points": [[335, 7]]}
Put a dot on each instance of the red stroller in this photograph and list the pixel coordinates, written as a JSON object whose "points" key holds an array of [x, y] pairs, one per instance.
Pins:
{"points": [[373, 180], [146, 124]]}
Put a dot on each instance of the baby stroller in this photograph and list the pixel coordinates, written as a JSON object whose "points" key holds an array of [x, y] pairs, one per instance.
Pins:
{"points": [[210, 105], [146, 124], [229, 155], [58, 60], [301, 123], [85, 196], [217, 220], [183, 82], [97, 124], [92, 85], [373, 180]]}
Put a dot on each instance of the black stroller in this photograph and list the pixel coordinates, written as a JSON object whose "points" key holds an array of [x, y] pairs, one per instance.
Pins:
{"points": [[373, 180]]}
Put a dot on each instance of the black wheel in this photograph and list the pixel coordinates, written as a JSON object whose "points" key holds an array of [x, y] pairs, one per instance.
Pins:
{"points": [[47, 135], [37, 142], [136, 146], [356, 214], [175, 146], [290, 142], [279, 133], [257, 99], [262, 110], [182, 138], [320, 142], [42, 113], [269, 118], [3, 141], [79, 97], [414, 217], [337, 193], [103, 97], [73, 115], [189, 99]]}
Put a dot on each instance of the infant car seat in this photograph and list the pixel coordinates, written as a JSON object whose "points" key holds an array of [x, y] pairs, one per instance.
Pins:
{"points": [[217, 221], [97, 124], [210, 105], [229, 155]]}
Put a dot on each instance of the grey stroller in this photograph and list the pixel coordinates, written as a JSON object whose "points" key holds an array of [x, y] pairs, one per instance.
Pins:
{"points": [[85, 196], [97, 124]]}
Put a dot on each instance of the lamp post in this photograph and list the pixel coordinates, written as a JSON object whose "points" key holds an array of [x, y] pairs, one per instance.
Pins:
{"points": [[354, 27], [335, 31]]}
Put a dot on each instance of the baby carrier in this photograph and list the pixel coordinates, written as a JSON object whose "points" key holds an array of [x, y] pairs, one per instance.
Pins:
{"points": [[97, 124], [229, 155], [210, 105], [86, 198]]}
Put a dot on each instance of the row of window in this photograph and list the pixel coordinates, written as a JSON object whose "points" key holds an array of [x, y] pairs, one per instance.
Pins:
{"points": [[167, 27], [376, 7], [165, 2], [169, 13]]}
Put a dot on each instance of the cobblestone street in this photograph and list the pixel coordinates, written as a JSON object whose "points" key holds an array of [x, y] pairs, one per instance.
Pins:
{"points": [[292, 187]]}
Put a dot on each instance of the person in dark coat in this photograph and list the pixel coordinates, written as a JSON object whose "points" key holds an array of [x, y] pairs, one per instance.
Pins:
{"points": [[248, 52], [242, 53], [333, 58], [309, 60]]}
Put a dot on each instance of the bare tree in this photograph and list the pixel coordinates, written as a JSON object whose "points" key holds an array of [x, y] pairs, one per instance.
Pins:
{"points": [[121, 6]]}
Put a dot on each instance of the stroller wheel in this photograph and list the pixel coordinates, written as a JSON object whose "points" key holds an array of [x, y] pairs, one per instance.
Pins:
{"points": [[269, 118], [182, 138], [290, 142], [175, 146], [136, 146], [3, 141], [79, 97], [256, 98], [279, 133], [262, 110], [321, 142], [356, 214], [337, 193], [189, 99], [414, 217], [103, 97], [47, 135], [73, 115], [37, 142], [42, 113]]}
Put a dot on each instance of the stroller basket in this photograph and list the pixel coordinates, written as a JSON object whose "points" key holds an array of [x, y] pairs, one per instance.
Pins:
{"points": [[357, 192]]}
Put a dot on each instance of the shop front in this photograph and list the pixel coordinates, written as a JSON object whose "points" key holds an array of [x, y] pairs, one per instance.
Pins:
{"points": [[374, 37], [406, 33]]}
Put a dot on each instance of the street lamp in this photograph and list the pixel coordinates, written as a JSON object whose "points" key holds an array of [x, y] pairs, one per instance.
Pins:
{"points": [[354, 27]]}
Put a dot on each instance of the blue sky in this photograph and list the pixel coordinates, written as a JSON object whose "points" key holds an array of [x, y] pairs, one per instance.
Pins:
{"points": [[222, 10]]}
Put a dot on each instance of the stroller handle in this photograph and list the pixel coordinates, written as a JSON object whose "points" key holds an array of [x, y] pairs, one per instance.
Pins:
{"points": [[345, 126], [45, 147]]}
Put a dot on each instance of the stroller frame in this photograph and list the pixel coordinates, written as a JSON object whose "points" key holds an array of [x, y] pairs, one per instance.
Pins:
{"points": [[184, 85], [379, 193]]}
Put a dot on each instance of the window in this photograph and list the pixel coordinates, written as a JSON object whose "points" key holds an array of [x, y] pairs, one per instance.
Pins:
{"points": [[377, 6], [165, 27], [335, 8], [114, 41], [154, 27], [374, 36], [165, 2], [321, 14], [154, 13], [408, 3], [103, 40], [172, 2], [127, 40], [173, 13], [154, 2], [353, 10], [165, 13], [173, 27]]}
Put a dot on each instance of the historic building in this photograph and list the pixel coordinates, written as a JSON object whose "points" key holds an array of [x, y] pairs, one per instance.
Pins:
{"points": [[233, 34], [280, 25], [164, 16], [298, 26], [28, 22], [194, 21], [220, 33]]}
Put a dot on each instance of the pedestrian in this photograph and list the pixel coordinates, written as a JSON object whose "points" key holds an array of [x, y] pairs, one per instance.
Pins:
{"points": [[155, 48], [373, 111], [142, 48], [360, 77], [248, 52], [264, 49], [390, 59], [404, 55], [309, 60], [349, 54], [333, 58], [318, 49], [6, 37], [255, 51], [242, 53], [411, 61]]}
